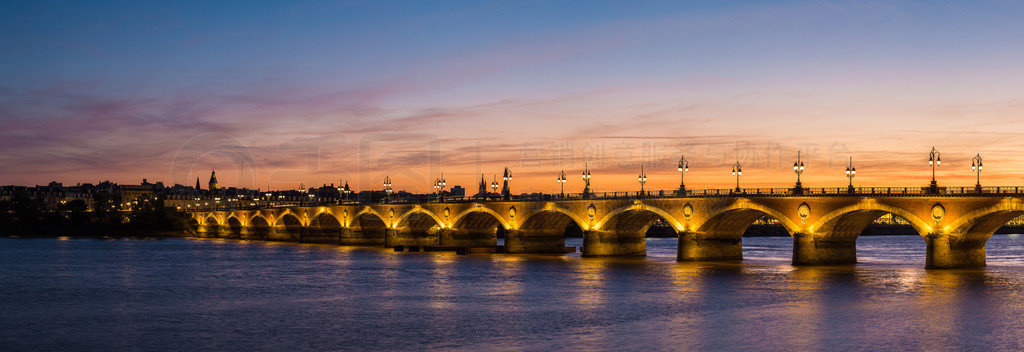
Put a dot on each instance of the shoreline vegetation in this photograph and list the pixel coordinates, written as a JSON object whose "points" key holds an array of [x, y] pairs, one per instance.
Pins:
{"points": [[24, 216]]}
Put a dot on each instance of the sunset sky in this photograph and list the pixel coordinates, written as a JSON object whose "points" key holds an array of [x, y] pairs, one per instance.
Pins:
{"points": [[273, 94]]}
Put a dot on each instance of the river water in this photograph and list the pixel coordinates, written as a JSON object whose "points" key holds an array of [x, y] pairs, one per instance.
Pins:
{"points": [[219, 295]]}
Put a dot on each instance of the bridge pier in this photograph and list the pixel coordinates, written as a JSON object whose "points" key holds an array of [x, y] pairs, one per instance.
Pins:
{"points": [[468, 238], [944, 252], [405, 237], [533, 242], [694, 248], [814, 250], [610, 243], [320, 235], [357, 237]]}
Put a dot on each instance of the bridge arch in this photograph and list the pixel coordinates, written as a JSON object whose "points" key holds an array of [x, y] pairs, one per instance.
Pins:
{"points": [[369, 211], [848, 222], [976, 227], [551, 220], [234, 227], [325, 220], [733, 220], [636, 218], [478, 217], [290, 225], [417, 218], [193, 225], [259, 227]]}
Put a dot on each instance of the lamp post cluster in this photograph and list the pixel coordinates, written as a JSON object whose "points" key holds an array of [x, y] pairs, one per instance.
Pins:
{"points": [[798, 168], [561, 182], [643, 179], [586, 181], [850, 173], [976, 167], [737, 171], [684, 166], [934, 160], [439, 187]]}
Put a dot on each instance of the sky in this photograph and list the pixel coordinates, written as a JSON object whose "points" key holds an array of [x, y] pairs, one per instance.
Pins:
{"points": [[276, 94]]}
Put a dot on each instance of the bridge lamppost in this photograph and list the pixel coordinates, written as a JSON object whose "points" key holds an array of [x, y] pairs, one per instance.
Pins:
{"points": [[439, 186], [643, 179], [684, 166], [505, 191], [494, 184], [934, 160], [798, 168], [850, 172], [561, 182], [586, 181], [387, 189], [737, 171], [976, 167]]}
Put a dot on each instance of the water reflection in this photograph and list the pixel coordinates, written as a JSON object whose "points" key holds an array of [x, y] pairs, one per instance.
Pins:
{"points": [[284, 297]]}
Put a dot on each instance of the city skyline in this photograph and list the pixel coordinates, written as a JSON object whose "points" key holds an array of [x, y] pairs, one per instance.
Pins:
{"points": [[274, 95]]}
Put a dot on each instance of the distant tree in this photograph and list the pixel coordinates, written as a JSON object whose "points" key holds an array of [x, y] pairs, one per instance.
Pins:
{"points": [[77, 211], [6, 213], [105, 206], [148, 213], [26, 209]]}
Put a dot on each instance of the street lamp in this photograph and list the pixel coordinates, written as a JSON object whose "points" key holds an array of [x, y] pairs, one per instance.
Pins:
{"points": [[643, 179], [494, 184], [586, 181], [737, 171], [976, 167], [439, 186], [934, 160], [561, 182], [684, 166], [505, 191], [850, 173], [798, 168], [387, 189]]}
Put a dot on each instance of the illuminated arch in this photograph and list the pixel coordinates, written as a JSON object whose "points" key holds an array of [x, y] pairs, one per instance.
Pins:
{"points": [[420, 210], [318, 222], [480, 209], [979, 225], [641, 207], [241, 221], [368, 210], [873, 211], [550, 208], [740, 216]]}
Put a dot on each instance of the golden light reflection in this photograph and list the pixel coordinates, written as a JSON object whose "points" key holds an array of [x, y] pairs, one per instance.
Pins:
{"points": [[591, 282], [389, 277], [442, 280], [804, 313], [936, 303], [688, 280]]}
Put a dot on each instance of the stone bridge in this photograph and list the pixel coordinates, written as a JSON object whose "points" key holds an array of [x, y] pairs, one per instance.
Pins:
{"points": [[824, 228]]}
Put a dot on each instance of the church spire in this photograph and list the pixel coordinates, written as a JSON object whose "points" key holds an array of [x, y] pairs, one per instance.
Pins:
{"points": [[213, 181]]}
